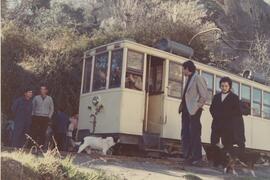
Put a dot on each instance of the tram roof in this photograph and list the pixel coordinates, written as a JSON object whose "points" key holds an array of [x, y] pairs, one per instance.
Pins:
{"points": [[177, 58]]}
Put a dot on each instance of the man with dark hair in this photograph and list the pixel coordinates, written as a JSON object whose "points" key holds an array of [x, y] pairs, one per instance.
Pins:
{"points": [[43, 109], [227, 124], [194, 97], [22, 109], [190, 66]]}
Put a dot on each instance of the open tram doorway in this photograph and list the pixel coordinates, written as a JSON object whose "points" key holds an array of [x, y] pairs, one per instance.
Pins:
{"points": [[154, 100]]}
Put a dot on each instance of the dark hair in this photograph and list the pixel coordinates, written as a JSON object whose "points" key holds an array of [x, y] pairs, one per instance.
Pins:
{"points": [[43, 85], [26, 89], [190, 66], [226, 79]]}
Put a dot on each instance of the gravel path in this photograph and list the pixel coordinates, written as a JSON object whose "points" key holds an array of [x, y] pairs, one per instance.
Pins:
{"points": [[133, 168]]}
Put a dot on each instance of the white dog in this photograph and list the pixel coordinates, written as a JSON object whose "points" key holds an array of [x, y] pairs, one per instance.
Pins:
{"points": [[97, 143]]}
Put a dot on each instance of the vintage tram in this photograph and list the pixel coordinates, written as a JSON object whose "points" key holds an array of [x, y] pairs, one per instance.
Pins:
{"points": [[133, 91]]}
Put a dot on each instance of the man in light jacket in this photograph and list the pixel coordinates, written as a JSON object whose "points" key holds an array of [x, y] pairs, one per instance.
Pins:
{"points": [[194, 97], [43, 109]]}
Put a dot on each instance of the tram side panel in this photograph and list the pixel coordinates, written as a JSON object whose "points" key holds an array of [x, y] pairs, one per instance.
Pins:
{"points": [[132, 112], [173, 125], [248, 124], [206, 122], [260, 133], [108, 119]]}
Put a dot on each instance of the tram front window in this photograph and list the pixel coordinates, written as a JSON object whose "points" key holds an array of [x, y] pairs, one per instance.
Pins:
{"points": [[134, 72], [116, 68], [100, 71]]}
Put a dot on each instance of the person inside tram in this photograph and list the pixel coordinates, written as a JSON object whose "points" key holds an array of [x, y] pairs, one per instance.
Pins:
{"points": [[100, 80], [134, 81], [227, 124], [116, 76]]}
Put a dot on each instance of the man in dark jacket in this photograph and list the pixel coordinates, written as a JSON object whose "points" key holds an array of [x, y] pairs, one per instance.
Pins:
{"points": [[227, 121], [60, 122], [22, 110]]}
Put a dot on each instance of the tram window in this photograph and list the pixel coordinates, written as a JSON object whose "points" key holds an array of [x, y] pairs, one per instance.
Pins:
{"points": [[134, 70], [257, 101], [87, 75], [100, 72], [116, 68], [266, 105], [210, 83], [245, 94], [175, 80], [217, 84], [235, 88]]}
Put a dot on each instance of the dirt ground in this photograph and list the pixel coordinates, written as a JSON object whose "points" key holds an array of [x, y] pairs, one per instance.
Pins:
{"points": [[133, 168]]}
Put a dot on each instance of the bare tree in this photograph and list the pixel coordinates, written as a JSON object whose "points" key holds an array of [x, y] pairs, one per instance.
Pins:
{"points": [[259, 53]]}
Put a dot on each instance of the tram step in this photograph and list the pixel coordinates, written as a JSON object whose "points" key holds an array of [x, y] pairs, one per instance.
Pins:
{"points": [[151, 141]]}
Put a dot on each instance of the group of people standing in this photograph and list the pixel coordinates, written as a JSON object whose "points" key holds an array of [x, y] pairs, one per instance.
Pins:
{"points": [[227, 124], [37, 117]]}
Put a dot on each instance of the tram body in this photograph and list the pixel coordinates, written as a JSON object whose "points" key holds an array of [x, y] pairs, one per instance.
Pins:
{"points": [[132, 90]]}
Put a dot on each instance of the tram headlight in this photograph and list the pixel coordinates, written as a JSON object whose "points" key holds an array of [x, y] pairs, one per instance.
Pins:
{"points": [[95, 100]]}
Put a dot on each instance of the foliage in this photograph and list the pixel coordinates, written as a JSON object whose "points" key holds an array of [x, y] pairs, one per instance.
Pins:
{"points": [[44, 43]]}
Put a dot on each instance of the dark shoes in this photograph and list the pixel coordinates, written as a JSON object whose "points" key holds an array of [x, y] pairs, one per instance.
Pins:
{"points": [[199, 163]]}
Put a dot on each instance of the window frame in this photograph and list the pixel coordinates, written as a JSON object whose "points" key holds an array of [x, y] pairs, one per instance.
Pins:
{"points": [[256, 102], [245, 85], [217, 84], [90, 60], [121, 68], [133, 71], [154, 76], [175, 80], [265, 105], [208, 89], [238, 90], [94, 72]]}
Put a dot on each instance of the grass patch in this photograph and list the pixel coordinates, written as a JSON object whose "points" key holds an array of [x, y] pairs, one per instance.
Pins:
{"points": [[19, 165]]}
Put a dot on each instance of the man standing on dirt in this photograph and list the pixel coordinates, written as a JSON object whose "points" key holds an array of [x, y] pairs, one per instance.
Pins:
{"points": [[22, 110], [194, 97], [43, 109]]}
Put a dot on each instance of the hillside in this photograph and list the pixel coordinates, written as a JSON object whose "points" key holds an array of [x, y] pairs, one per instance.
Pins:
{"points": [[44, 41]]}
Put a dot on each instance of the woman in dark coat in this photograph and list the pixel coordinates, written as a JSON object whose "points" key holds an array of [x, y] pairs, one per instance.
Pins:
{"points": [[227, 122]]}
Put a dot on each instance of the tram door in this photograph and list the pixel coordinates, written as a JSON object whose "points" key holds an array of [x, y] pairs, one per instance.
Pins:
{"points": [[154, 112]]}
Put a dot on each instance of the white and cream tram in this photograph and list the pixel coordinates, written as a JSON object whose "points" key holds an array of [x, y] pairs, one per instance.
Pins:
{"points": [[129, 90]]}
